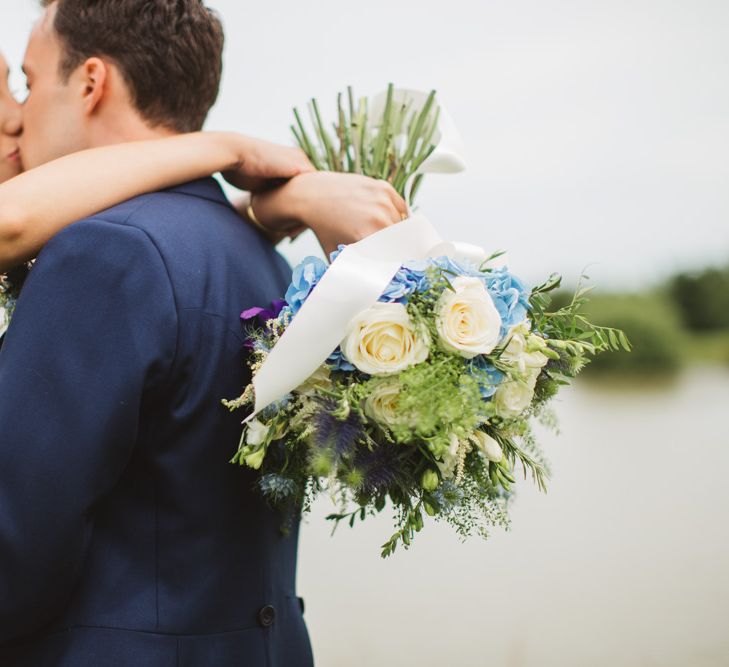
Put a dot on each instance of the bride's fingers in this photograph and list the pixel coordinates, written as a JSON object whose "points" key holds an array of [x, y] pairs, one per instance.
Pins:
{"points": [[394, 214], [400, 205], [402, 209]]}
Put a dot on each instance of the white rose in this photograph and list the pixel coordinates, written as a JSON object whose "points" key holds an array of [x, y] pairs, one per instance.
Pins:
{"points": [[513, 397], [467, 320], [490, 448], [383, 340], [257, 432], [382, 403]]}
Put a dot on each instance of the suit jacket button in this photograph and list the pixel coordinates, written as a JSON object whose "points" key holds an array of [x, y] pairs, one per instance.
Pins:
{"points": [[266, 616]]}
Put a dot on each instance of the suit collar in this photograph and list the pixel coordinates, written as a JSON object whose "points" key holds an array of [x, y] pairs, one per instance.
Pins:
{"points": [[205, 188]]}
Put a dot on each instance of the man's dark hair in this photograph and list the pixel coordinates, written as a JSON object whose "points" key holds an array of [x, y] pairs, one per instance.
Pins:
{"points": [[169, 52]]}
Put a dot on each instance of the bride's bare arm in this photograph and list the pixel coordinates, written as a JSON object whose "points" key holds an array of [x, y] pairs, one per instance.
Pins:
{"points": [[37, 204]]}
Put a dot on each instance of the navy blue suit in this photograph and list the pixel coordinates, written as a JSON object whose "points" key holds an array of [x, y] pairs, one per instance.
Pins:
{"points": [[126, 536]]}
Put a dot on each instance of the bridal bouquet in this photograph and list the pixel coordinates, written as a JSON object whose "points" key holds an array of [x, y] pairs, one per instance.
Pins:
{"points": [[409, 369]]}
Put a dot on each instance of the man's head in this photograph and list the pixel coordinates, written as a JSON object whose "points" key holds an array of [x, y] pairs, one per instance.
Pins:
{"points": [[9, 127], [105, 71]]}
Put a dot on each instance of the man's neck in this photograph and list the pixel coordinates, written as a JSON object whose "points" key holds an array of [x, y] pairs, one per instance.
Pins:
{"points": [[121, 130]]}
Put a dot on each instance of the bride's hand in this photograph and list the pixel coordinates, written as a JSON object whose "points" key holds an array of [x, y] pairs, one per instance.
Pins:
{"points": [[263, 165], [338, 207]]}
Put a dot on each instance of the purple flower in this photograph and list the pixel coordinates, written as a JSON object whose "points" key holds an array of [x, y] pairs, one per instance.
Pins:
{"points": [[263, 314], [261, 317]]}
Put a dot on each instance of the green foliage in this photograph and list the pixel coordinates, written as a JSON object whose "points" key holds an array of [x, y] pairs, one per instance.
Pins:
{"points": [[573, 335], [409, 521], [437, 398], [477, 502], [527, 454]]}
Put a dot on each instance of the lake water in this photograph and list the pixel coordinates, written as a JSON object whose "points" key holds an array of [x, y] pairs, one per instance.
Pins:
{"points": [[623, 563]]}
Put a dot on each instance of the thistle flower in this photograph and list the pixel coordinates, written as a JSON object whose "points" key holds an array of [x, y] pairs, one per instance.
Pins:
{"points": [[447, 495], [338, 435], [277, 487], [383, 467]]}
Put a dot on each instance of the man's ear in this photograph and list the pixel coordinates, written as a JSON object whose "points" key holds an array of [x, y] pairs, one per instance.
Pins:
{"points": [[94, 74]]}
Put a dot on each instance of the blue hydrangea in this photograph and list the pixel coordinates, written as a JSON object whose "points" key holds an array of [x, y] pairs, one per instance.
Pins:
{"points": [[405, 282], [510, 296], [338, 362], [335, 253], [486, 374], [450, 266], [413, 277], [271, 410], [306, 275]]}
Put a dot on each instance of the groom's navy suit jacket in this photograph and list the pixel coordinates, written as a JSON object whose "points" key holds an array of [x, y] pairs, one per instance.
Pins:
{"points": [[127, 539]]}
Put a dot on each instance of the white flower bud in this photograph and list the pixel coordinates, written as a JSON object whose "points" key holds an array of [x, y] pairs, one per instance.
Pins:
{"points": [[490, 448], [257, 432]]}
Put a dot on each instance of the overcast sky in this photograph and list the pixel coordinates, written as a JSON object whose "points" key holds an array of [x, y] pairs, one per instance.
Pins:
{"points": [[597, 132]]}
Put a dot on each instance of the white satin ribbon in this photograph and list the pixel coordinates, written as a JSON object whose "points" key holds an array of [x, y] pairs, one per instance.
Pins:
{"points": [[447, 158]]}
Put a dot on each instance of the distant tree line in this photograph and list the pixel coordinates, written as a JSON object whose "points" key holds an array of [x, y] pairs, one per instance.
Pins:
{"points": [[702, 298]]}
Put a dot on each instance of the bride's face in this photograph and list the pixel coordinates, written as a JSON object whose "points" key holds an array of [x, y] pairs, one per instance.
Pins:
{"points": [[10, 127]]}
